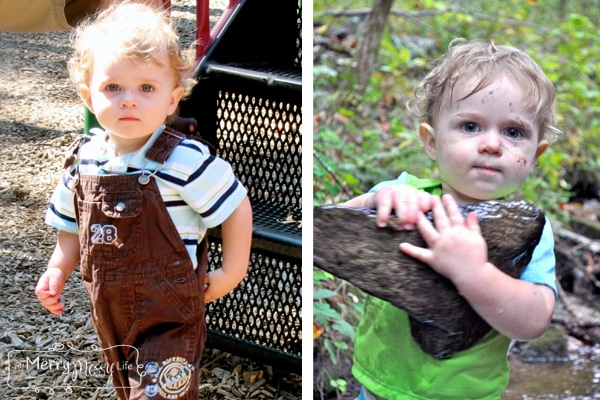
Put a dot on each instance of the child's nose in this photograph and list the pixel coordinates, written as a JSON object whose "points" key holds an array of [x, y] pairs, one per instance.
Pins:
{"points": [[491, 142], [128, 99]]}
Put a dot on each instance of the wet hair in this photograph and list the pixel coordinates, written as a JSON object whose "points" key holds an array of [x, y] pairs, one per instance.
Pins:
{"points": [[485, 62], [134, 30]]}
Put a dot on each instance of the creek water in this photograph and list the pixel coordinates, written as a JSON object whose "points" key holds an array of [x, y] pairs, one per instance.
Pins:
{"points": [[575, 379]]}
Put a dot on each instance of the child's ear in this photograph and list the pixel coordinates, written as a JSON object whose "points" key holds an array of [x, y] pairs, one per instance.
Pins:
{"points": [[176, 95], [86, 95], [542, 147], [427, 134]]}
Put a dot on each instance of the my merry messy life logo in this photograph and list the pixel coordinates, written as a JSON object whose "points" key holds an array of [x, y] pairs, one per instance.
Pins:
{"points": [[70, 367]]}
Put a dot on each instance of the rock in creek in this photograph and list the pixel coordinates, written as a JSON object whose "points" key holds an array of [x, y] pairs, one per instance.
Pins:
{"points": [[349, 245]]}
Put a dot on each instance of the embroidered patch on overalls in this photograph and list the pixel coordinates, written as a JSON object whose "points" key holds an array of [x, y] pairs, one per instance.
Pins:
{"points": [[105, 234], [171, 379]]}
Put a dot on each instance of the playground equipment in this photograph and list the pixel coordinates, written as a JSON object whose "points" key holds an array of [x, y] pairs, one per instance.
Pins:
{"points": [[248, 106]]}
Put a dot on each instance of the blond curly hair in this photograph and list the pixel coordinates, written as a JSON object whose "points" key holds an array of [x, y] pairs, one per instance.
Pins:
{"points": [[134, 30], [485, 62]]}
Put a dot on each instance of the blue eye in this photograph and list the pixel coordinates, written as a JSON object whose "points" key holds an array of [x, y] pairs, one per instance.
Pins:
{"points": [[147, 88], [111, 87], [470, 127], [513, 133]]}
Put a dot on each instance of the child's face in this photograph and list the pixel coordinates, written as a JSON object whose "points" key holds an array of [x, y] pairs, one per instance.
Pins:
{"points": [[487, 144], [131, 98]]}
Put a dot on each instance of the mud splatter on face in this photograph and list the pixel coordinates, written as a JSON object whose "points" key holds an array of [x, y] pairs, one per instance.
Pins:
{"points": [[490, 93]]}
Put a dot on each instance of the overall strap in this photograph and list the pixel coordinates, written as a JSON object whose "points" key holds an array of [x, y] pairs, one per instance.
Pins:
{"points": [[164, 145], [167, 141]]}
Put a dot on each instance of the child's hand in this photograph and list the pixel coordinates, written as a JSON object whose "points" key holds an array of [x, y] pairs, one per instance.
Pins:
{"points": [[519, 309], [49, 288], [219, 284], [62, 263], [407, 202], [456, 246]]}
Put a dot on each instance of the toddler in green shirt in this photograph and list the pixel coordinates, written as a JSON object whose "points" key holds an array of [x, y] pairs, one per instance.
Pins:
{"points": [[486, 113]]}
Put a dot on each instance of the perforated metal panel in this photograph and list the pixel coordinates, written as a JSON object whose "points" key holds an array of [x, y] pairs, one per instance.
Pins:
{"points": [[248, 104], [298, 59], [261, 138], [266, 309]]}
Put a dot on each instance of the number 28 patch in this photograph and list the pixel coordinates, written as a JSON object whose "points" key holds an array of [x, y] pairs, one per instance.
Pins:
{"points": [[105, 234]]}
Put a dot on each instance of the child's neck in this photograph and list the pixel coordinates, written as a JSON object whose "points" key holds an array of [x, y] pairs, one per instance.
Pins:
{"points": [[124, 146], [463, 199]]}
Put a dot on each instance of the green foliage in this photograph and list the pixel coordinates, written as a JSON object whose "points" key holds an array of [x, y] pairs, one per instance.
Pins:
{"points": [[362, 139], [337, 320], [370, 138], [337, 307]]}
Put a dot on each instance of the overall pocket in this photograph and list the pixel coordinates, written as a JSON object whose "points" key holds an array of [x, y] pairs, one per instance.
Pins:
{"points": [[112, 227], [181, 296]]}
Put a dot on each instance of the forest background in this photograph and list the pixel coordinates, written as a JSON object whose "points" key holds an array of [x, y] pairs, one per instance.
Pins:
{"points": [[363, 134]]}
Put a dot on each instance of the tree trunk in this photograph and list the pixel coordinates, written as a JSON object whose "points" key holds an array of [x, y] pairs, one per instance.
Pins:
{"points": [[369, 47]]}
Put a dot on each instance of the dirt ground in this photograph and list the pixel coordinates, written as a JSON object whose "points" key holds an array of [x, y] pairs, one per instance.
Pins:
{"points": [[40, 114]]}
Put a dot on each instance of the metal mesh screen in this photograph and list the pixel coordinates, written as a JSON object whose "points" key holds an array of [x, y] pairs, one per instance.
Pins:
{"points": [[248, 104], [262, 140], [266, 308], [298, 60]]}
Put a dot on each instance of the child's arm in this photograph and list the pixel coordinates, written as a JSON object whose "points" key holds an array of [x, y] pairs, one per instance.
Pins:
{"points": [[407, 202], [517, 308], [237, 237], [63, 262]]}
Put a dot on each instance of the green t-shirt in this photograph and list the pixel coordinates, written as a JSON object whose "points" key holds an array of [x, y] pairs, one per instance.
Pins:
{"points": [[390, 364]]}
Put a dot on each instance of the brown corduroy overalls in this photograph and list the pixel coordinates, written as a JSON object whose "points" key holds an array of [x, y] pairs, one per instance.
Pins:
{"points": [[147, 300]]}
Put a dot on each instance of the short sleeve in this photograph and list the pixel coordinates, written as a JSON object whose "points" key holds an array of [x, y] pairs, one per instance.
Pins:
{"points": [[210, 186], [541, 268], [432, 186], [402, 179], [61, 212]]}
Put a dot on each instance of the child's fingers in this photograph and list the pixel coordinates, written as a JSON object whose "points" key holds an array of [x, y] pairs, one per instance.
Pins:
{"points": [[425, 203], [452, 210], [406, 205], [472, 222], [52, 304], [41, 288], [440, 218], [421, 254], [56, 308], [53, 285], [407, 209], [384, 209], [209, 295], [428, 231]]}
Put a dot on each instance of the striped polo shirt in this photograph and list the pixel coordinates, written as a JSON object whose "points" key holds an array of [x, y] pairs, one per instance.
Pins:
{"points": [[200, 191]]}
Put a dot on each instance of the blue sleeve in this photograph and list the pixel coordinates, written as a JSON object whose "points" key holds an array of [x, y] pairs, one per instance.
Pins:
{"points": [[541, 268], [402, 179]]}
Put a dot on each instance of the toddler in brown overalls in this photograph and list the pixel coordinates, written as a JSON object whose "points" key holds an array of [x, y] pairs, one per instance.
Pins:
{"points": [[134, 205]]}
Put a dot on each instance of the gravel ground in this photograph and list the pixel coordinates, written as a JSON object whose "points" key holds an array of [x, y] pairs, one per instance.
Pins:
{"points": [[46, 356]]}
